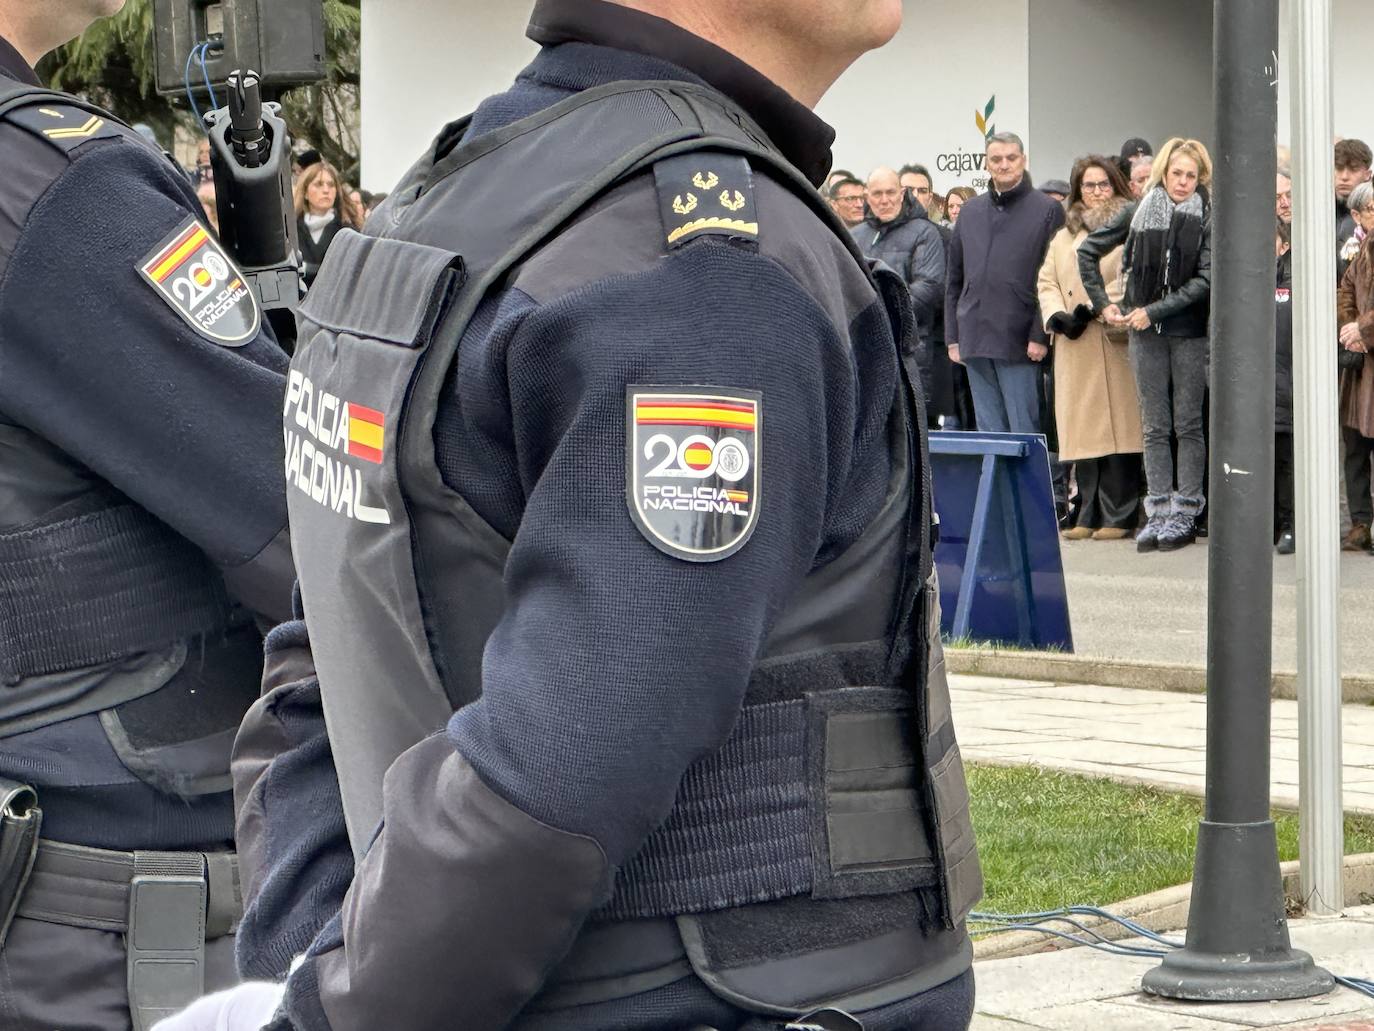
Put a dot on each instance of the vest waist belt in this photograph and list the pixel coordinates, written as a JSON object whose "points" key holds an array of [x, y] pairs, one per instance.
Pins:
{"points": [[98, 587], [818, 796]]}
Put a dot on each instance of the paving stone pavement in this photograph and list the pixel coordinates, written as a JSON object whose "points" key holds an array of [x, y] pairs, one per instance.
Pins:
{"points": [[1149, 737], [1084, 990]]}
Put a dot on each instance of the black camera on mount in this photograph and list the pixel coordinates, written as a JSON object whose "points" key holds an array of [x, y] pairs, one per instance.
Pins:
{"points": [[281, 40], [251, 156]]}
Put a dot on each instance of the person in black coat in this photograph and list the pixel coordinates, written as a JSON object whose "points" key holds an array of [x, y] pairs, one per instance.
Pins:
{"points": [[1283, 393], [898, 231], [322, 212], [1167, 236], [992, 315]]}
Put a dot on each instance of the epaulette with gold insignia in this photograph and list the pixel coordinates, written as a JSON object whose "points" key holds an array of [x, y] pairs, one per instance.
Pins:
{"points": [[706, 193], [66, 125]]}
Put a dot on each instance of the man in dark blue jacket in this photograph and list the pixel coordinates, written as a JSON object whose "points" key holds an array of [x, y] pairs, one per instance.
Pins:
{"points": [[992, 316], [694, 763]]}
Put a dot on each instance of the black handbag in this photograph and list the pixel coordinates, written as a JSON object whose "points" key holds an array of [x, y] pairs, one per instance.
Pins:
{"points": [[1349, 359]]}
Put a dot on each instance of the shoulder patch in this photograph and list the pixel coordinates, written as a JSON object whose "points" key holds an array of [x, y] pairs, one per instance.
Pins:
{"points": [[692, 478], [64, 126], [191, 273], [706, 193]]}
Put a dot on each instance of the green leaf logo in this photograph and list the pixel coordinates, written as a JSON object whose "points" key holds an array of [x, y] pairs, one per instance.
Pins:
{"points": [[983, 119]]}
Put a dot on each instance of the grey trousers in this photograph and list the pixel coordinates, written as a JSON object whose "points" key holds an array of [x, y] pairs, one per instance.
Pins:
{"points": [[1159, 362], [1006, 395], [53, 976]]}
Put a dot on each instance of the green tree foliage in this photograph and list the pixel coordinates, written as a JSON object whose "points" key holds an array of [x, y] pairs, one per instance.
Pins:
{"points": [[325, 114], [112, 64]]}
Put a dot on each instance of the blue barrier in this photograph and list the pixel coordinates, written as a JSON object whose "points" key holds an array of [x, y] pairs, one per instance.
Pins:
{"points": [[1001, 577]]}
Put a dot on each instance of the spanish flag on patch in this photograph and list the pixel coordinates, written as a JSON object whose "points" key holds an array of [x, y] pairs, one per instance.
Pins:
{"points": [[695, 411], [366, 433]]}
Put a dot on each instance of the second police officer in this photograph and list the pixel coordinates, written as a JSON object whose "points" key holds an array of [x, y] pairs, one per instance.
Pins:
{"points": [[610, 507], [142, 548]]}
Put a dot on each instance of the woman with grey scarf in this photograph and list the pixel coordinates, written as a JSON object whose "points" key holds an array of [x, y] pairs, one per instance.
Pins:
{"points": [[1167, 266]]}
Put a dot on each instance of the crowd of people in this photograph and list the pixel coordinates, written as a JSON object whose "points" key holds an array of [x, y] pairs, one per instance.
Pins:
{"points": [[1080, 309]]}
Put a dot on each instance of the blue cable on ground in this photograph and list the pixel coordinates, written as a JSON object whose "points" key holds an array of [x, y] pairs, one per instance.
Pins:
{"points": [[1036, 922]]}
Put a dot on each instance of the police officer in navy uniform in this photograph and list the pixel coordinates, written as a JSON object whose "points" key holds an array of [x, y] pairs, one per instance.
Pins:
{"points": [[610, 509], [142, 547]]}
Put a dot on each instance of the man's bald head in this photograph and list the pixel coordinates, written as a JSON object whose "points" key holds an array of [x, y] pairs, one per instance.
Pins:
{"points": [[884, 193]]}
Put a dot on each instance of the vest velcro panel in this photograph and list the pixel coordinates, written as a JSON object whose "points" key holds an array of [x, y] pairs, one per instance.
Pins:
{"points": [[100, 586]]}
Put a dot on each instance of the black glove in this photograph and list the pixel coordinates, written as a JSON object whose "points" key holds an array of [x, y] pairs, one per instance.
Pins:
{"points": [[1349, 359], [1081, 320], [1060, 323]]}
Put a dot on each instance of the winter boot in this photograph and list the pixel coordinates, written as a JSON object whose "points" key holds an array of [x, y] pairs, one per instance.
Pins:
{"points": [[1181, 528], [1156, 515]]}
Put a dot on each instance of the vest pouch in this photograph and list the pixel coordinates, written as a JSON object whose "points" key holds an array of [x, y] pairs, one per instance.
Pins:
{"points": [[364, 331], [868, 932], [949, 787], [178, 739]]}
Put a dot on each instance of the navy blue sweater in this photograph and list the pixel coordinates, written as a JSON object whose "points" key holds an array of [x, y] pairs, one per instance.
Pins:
{"points": [[616, 666], [102, 384]]}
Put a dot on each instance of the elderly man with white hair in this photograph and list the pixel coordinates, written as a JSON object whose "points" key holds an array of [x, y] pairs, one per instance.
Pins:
{"points": [[898, 231]]}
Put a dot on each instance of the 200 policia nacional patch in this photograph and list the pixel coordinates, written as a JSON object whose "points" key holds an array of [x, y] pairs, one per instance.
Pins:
{"points": [[191, 272], [692, 468]]}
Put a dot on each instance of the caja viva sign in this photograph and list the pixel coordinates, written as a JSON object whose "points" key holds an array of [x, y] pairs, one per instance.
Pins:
{"points": [[967, 164]]}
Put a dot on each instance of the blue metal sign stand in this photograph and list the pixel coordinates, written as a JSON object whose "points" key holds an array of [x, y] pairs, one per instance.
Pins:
{"points": [[999, 540]]}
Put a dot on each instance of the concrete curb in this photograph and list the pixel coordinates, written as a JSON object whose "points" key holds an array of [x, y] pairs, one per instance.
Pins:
{"points": [[1164, 911], [1155, 676]]}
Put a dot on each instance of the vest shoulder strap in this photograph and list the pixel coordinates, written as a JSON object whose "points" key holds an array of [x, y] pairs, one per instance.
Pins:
{"points": [[59, 119], [726, 127], [603, 136]]}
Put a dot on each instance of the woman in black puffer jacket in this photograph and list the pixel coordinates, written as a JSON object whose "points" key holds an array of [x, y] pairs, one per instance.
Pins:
{"points": [[1168, 268]]}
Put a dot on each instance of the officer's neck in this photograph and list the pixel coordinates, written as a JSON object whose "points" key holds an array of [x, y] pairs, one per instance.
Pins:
{"points": [[34, 29], [805, 70]]}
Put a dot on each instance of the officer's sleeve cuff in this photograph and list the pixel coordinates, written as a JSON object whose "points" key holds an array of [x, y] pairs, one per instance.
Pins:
{"points": [[301, 1010]]}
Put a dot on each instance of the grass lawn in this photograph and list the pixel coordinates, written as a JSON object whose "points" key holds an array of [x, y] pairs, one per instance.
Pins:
{"points": [[1049, 839]]}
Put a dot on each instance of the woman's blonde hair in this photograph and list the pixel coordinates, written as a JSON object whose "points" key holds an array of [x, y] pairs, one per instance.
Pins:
{"points": [[342, 207], [1187, 148]]}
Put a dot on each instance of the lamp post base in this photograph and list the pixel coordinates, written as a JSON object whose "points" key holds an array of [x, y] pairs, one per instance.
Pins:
{"points": [[1237, 947]]}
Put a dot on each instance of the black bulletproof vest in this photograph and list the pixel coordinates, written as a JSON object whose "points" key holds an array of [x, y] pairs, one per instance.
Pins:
{"points": [[402, 580], [105, 609]]}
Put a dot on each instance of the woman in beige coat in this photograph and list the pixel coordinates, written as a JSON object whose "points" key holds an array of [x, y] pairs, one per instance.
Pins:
{"points": [[1095, 402]]}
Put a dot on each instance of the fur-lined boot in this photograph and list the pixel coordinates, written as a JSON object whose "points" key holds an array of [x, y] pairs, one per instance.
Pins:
{"points": [[1181, 528], [1157, 509]]}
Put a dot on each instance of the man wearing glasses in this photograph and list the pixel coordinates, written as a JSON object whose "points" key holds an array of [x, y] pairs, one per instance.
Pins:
{"points": [[847, 200]]}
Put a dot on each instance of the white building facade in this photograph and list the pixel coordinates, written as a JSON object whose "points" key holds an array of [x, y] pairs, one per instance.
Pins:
{"points": [[1070, 76]]}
